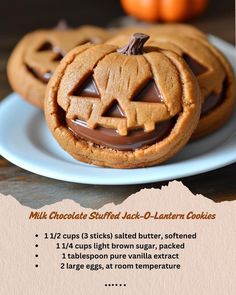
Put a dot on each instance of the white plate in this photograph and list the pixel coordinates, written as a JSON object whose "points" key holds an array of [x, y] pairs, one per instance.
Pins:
{"points": [[26, 141]]}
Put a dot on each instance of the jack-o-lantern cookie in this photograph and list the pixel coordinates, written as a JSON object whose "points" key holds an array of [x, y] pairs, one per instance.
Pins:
{"points": [[122, 107], [37, 55], [215, 76], [214, 73]]}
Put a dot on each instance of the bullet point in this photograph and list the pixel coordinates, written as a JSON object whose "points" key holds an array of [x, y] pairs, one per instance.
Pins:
{"points": [[36, 235], [36, 265], [36, 255], [36, 245]]}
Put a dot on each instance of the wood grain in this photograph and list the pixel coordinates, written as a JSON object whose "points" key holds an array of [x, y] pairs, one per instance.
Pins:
{"points": [[35, 191]]}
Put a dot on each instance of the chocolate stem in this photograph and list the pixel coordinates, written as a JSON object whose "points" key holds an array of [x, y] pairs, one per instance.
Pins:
{"points": [[62, 25], [135, 45]]}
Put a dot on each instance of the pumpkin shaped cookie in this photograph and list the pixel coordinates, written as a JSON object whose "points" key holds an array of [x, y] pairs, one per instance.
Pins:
{"points": [[215, 76], [37, 55], [214, 73], [122, 107]]}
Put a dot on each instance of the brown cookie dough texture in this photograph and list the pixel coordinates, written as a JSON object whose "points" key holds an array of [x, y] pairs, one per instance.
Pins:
{"points": [[37, 55], [163, 29], [214, 74], [119, 77]]}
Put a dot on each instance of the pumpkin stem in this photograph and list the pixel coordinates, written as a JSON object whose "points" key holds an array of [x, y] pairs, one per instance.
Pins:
{"points": [[135, 45], [62, 25]]}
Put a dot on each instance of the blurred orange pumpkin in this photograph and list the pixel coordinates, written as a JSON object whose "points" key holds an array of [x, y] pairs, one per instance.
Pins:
{"points": [[165, 10]]}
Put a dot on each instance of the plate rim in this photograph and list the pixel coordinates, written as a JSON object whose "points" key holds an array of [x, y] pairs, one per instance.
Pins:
{"points": [[197, 169]]}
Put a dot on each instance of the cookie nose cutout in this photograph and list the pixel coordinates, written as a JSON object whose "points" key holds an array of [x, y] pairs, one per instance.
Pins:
{"points": [[114, 111]]}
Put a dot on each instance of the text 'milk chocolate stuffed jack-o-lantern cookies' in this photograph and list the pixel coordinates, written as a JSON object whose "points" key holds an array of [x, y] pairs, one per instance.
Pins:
{"points": [[37, 55], [214, 73], [122, 107]]}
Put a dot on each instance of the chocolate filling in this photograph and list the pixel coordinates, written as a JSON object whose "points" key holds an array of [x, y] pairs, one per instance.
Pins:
{"points": [[87, 89], [136, 138], [46, 46], [150, 93], [213, 100], [43, 77], [108, 137], [196, 67]]}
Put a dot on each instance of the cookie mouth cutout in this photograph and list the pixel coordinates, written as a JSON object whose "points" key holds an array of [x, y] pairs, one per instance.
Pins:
{"points": [[42, 77], [107, 137], [214, 100]]}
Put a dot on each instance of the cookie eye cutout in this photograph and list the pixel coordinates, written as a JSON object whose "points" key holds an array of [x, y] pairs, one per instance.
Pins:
{"points": [[58, 57], [196, 67], [54, 55], [114, 110], [43, 77], [87, 89], [149, 93], [47, 46]]}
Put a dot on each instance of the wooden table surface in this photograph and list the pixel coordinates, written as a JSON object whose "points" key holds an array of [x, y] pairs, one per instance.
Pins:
{"points": [[34, 191]]}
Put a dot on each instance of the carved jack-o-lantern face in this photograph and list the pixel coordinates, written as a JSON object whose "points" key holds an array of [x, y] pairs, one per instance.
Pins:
{"points": [[122, 107], [214, 74], [125, 99], [196, 53], [39, 53], [205, 65], [117, 95], [45, 52]]}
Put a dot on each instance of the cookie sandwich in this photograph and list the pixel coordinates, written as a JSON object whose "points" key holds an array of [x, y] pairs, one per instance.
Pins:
{"points": [[36, 56], [122, 107]]}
